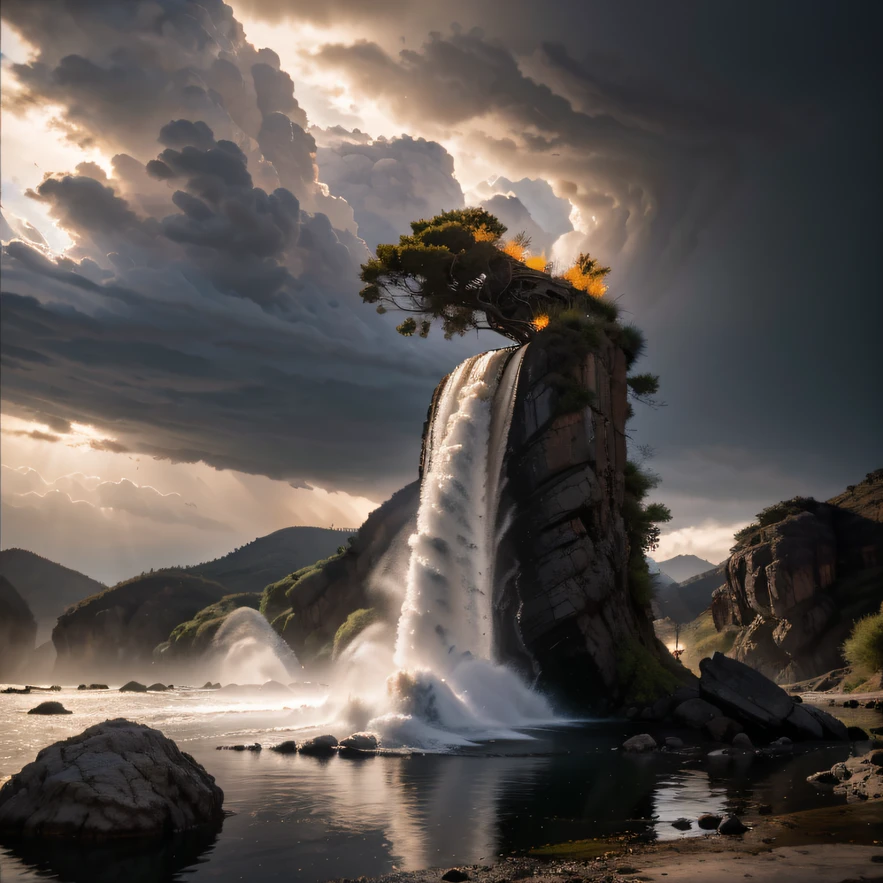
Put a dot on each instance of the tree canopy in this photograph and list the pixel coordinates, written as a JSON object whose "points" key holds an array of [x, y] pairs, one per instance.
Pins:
{"points": [[458, 269]]}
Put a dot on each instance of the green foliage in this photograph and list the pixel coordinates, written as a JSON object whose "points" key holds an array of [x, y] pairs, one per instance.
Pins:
{"points": [[354, 625], [631, 341], [275, 596], [643, 386], [573, 397], [642, 676], [752, 533], [211, 617], [863, 649], [454, 269], [642, 527]]}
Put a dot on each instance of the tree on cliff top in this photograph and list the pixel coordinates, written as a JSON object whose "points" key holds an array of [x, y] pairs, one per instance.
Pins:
{"points": [[458, 268]]}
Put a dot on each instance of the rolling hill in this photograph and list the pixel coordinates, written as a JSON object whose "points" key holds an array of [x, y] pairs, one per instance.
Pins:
{"points": [[683, 567], [48, 588], [270, 558]]}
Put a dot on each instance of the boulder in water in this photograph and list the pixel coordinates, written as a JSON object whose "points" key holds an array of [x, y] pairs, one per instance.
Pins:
{"points": [[116, 779], [50, 708], [323, 745], [289, 747], [359, 742], [640, 743], [133, 687], [709, 821], [696, 713], [157, 688]]}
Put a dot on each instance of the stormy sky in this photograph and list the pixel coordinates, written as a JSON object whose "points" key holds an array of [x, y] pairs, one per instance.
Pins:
{"points": [[189, 189]]}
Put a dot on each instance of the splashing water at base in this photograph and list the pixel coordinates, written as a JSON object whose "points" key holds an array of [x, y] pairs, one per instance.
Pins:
{"points": [[248, 651]]}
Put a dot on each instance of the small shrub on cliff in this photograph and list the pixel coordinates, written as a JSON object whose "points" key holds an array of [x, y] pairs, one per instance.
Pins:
{"points": [[863, 649], [642, 526]]}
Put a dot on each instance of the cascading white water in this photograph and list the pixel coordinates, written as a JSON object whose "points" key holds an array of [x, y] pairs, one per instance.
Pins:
{"points": [[248, 651], [449, 689], [448, 607]]}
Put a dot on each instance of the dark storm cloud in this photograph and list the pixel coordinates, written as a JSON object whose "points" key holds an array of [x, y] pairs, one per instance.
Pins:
{"points": [[389, 183], [649, 196], [228, 331], [122, 74]]}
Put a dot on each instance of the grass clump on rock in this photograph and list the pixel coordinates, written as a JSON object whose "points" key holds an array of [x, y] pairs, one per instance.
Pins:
{"points": [[863, 649]]}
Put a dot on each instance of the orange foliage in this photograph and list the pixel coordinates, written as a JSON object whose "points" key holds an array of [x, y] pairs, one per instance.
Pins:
{"points": [[482, 234], [514, 250], [593, 285], [537, 263]]}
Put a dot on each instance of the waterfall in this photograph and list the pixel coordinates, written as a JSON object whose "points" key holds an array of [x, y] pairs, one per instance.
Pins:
{"points": [[449, 688], [248, 651], [448, 607]]}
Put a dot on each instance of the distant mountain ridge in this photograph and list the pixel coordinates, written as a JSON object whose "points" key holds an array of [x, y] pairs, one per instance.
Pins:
{"points": [[683, 567], [48, 588], [252, 567], [683, 602]]}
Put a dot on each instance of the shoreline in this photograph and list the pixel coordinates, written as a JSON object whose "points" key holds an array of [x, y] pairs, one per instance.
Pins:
{"points": [[825, 845]]}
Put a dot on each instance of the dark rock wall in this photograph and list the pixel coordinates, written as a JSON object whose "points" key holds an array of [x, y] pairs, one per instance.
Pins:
{"points": [[564, 612]]}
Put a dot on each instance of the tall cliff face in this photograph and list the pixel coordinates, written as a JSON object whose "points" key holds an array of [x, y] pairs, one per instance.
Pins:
{"points": [[564, 610], [18, 630], [798, 579]]}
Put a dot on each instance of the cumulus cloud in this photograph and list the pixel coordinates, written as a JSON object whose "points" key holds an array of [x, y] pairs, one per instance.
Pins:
{"points": [[228, 330], [640, 197], [25, 487], [389, 183]]}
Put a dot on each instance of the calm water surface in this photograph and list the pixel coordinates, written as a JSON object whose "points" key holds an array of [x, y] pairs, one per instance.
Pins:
{"points": [[309, 820]]}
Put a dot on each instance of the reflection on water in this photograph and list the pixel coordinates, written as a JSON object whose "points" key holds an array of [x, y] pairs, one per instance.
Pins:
{"points": [[310, 820], [132, 862]]}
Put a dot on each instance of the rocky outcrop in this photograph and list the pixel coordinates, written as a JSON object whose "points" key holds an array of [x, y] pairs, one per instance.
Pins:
{"points": [[120, 627], [307, 607], [759, 705], [18, 630], [791, 581], [565, 613], [858, 778], [116, 779]]}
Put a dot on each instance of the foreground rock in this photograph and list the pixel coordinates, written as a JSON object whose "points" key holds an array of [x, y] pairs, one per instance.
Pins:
{"points": [[858, 778], [116, 779], [760, 705], [50, 708]]}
